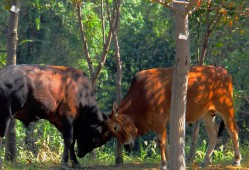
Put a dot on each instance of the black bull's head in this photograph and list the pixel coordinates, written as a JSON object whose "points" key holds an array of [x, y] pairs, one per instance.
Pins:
{"points": [[91, 138]]}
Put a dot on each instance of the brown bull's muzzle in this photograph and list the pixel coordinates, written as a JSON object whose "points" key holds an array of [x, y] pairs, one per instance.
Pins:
{"points": [[130, 145]]}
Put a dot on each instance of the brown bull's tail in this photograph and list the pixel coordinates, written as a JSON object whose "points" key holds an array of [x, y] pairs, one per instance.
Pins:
{"points": [[221, 128]]}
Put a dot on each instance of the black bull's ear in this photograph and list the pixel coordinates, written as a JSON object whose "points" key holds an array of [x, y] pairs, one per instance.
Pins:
{"points": [[102, 130]]}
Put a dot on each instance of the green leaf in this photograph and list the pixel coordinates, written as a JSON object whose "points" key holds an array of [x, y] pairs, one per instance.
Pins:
{"points": [[219, 44]]}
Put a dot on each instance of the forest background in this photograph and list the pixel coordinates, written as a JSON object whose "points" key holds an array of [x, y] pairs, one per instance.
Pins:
{"points": [[49, 33]]}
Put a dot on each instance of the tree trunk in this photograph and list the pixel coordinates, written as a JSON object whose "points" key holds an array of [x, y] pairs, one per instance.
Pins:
{"points": [[179, 90], [12, 39], [10, 145], [119, 156]]}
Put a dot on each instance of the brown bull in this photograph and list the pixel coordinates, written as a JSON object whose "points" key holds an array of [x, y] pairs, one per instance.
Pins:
{"points": [[61, 95], [146, 107]]}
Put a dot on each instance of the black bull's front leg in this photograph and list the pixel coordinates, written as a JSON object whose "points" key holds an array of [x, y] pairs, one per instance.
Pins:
{"points": [[1, 140], [69, 142]]}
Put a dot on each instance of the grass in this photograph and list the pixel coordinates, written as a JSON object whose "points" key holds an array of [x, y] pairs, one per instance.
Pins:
{"points": [[147, 159], [50, 147]]}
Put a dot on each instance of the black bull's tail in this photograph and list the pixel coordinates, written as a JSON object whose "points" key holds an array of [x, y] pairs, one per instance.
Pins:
{"points": [[221, 128]]}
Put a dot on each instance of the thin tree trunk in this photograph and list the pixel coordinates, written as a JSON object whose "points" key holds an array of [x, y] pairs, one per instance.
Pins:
{"points": [[179, 90], [93, 73], [119, 156], [12, 39], [10, 145], [84, 43]]}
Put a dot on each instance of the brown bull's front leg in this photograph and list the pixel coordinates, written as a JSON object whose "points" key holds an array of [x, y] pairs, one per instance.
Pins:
{"points": [[68, 143]]}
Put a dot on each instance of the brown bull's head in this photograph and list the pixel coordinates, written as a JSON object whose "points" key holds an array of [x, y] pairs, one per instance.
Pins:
{"points": [[121, 126]]}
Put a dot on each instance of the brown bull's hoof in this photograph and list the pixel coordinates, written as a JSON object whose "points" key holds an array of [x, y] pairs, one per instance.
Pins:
{"points": [[163, 166], [236, 163]]}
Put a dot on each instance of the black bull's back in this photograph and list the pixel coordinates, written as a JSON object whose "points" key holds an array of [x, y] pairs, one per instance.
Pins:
{"points": [[62, 95]]}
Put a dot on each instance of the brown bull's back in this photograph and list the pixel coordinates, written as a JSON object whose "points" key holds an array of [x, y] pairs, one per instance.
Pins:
{"points": [[149, 96]]}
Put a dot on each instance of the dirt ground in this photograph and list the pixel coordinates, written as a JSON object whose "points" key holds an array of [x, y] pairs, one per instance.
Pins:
{"points": [[153, 166], [223, 165]]}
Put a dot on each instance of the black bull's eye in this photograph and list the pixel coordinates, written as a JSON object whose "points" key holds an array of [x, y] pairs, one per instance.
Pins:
{"points": [[96, 141]]}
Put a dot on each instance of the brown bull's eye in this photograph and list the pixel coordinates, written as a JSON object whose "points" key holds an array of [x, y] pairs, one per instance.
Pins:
{"points": [[115, 127]]}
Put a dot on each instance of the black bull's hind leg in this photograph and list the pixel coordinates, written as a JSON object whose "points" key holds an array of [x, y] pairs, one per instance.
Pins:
{"points": [[69, 142]]}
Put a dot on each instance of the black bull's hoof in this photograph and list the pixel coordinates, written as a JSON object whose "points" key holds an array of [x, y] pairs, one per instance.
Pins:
{"points": [[75, 166]]}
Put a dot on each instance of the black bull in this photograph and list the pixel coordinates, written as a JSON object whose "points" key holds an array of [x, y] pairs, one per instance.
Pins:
{"points": [[61, 95]]}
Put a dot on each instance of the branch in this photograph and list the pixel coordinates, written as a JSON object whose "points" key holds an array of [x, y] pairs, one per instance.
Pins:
{"points": [[207, 34], [215, 21], [106, 45], [164, 4], [102, 20], [190, 8], [246, 98], [84, 43], [181, 2]]}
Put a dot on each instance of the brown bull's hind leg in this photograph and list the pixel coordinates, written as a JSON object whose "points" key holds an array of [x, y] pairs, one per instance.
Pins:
{"points": [[163, 145], [226, 110], [227, 114], [233, 130], [211, 128]]}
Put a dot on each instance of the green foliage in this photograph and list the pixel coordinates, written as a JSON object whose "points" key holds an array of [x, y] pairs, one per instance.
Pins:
{"points": [[49, 34], [2, 60], [106, 156], [48, 140], [221, 153], [148, 149]]}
